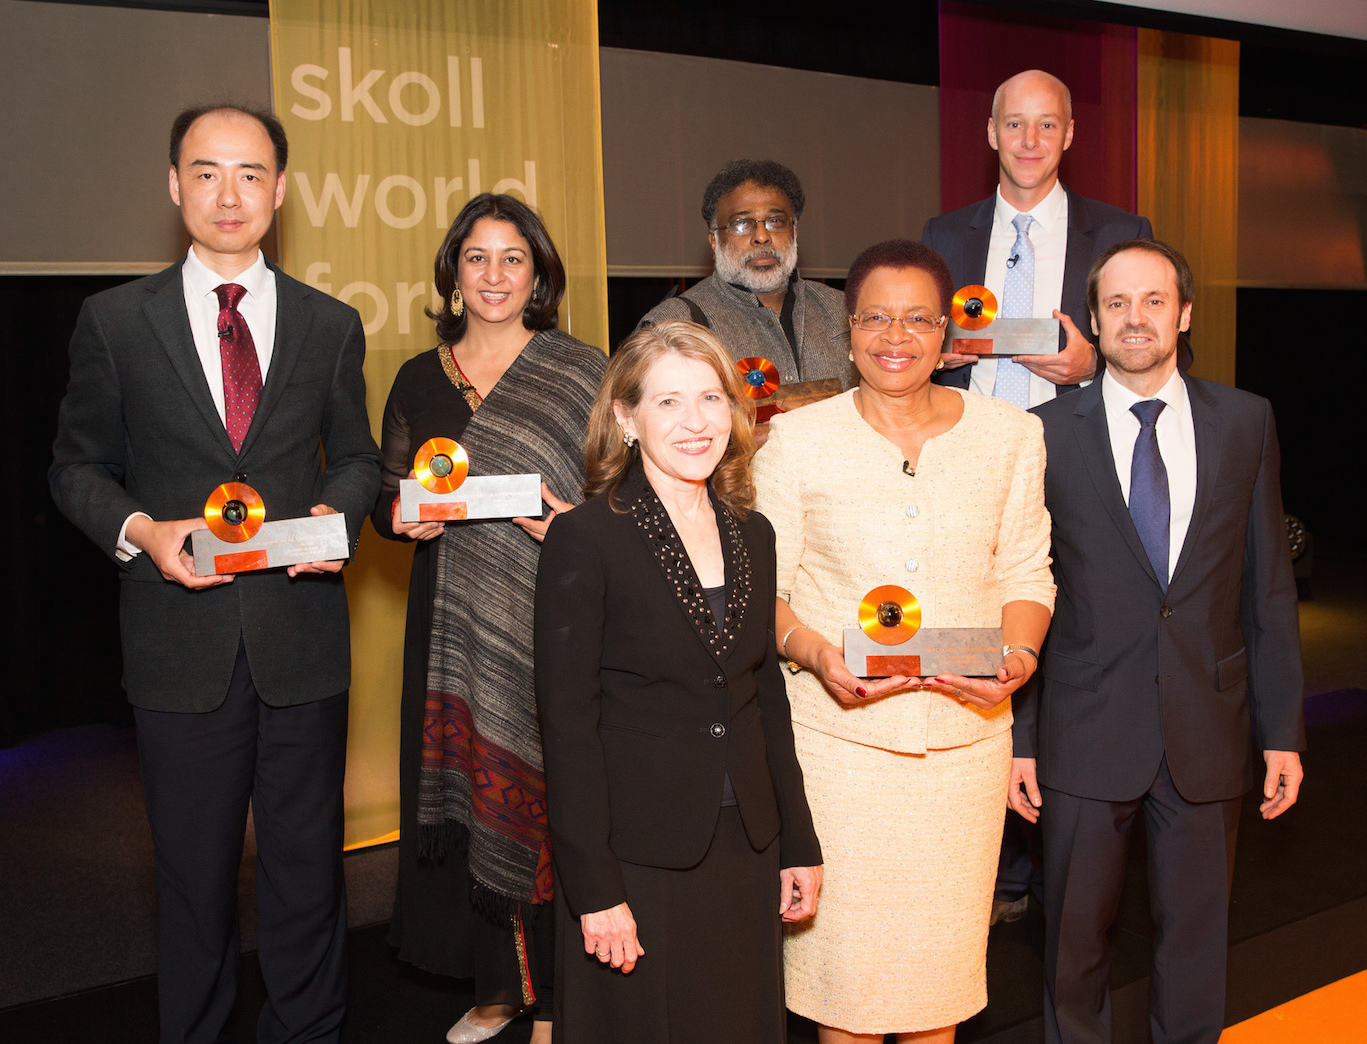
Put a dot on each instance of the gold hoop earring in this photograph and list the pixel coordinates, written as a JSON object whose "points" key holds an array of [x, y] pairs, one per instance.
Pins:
{"points": [[457, 302], [940, 365]]}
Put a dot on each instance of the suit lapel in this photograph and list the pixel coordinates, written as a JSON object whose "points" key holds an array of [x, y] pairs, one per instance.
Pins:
{"points": [[655, 526], [1094, 444], [979, 240], [165, 311], [1077, 259], [292, 321], [1205, 419]]}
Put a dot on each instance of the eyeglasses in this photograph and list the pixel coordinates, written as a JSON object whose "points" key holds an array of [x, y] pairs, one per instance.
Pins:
{"points": [[916, 323], [743, 226]]}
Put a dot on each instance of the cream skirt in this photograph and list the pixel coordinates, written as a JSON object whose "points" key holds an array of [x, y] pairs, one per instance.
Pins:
{"points": [[910, 842]]}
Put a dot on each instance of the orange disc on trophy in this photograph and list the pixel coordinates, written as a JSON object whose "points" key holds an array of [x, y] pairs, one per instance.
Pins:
{"points": [[234, 512], [441, 465], [890, 615], [973, 307], [759, 377]]}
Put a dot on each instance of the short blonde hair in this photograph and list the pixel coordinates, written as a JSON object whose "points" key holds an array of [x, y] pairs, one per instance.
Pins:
{"points": [[607, 459]]}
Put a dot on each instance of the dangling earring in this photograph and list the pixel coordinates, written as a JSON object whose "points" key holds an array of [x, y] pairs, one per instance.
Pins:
{"points": [[629, 439], [851, 355], [536, 289], [457, 302]]}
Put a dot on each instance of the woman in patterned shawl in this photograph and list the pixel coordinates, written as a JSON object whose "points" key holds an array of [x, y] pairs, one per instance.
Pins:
{"points": [[474, 883]]}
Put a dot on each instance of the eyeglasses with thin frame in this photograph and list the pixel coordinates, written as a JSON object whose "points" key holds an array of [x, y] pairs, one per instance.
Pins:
{"points": [[743, 226], [917, 323]]}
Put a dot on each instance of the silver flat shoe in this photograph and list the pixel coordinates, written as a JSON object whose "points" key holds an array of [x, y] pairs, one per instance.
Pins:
{"points": [[467, 1032]]}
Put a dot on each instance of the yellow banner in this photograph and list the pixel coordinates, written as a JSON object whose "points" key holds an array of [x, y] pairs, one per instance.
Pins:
{"points": [[398, 112]]}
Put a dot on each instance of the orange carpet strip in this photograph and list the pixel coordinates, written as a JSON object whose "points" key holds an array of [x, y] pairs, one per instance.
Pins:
{"points": [[1333, 1014]]}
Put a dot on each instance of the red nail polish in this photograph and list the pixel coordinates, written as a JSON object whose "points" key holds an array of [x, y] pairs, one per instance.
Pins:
{"points": [[859, 691]]}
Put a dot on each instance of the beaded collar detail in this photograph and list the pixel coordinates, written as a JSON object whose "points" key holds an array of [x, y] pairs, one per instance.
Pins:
{"points": [[652, 518]]}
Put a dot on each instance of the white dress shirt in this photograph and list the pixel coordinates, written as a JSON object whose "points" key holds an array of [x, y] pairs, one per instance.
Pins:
{"points": [[1049, 234], [1176, 443], [257, 307]]}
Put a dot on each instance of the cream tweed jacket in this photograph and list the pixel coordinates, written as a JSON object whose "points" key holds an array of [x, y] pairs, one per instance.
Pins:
{"points": [[967, 534]]}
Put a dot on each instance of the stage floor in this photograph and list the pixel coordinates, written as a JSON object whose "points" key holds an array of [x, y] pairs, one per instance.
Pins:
{"points": [[78, 903]]}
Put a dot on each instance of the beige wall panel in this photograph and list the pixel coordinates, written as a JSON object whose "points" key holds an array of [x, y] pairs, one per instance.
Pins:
{"points": [[90, 93], [867, 153]]}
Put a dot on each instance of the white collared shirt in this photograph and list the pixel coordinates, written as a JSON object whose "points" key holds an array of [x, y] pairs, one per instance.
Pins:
{"points": [[199, 283], [257, 307], [1176, 442], [1049, 234]]}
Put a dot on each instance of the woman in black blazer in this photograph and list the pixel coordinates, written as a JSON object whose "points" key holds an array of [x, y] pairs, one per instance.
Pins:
{"points": [[679, 827]]}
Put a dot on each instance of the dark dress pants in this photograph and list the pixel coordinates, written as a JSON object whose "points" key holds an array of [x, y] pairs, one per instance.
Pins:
{"points": [[1190, 856], [199, 773]]}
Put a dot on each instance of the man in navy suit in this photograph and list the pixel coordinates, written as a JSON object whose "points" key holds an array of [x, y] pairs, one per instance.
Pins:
{"points": [[238, 684], [1170, 682], [1030, 128]]}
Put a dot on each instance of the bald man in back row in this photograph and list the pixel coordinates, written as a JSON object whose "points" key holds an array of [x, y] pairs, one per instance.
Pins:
{"points": [[1050, 236], [1032, 222]]}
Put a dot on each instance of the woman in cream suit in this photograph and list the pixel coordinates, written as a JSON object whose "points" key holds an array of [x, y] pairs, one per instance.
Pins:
{"points": [[940, 492]]}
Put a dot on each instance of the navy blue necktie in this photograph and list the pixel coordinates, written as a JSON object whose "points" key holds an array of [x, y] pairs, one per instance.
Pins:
{"points": [[1150, 506]]}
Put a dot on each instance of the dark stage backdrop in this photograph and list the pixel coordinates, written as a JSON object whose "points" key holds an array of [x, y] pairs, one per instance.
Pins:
{"points": [[62, 645], [1317, 396]]}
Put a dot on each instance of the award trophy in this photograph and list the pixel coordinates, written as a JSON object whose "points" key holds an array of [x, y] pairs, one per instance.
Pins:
{"points": [[445, 492], [890, 641], [976, 329], [760, 381], [239, 539]]}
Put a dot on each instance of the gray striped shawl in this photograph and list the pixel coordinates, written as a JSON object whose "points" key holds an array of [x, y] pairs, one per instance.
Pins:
{"points": [[482, 776]]}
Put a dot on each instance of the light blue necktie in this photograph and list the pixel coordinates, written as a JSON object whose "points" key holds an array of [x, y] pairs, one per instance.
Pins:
{"points": [[1018, 302], [1150, 502]]}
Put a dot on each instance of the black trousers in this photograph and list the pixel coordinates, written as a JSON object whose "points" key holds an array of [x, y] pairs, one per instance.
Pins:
{"points": [[1190, 858], [199, 773]]}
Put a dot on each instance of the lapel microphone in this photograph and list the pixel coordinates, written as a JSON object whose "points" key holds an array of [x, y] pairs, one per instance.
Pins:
{"points": [[1011, 261], [907, 469], [225, 332]]}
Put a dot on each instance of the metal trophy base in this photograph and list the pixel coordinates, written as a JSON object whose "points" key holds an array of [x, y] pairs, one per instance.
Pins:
{"points": [[803, 393], [1005, 337], [970, 652], [320, 538], [484, 496]]}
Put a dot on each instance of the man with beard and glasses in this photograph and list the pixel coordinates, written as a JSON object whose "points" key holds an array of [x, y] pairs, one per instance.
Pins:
{"points": [[755, 301]]}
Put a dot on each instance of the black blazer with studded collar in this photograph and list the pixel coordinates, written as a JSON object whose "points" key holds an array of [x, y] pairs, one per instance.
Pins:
{"points": [[646, 704]]}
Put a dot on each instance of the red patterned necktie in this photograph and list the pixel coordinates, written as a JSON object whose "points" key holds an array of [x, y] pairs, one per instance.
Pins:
{"points": [[241, 368]]}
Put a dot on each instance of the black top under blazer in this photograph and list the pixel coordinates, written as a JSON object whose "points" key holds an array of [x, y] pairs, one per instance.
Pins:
{"points": [[646, 705], [138, 431], [1205, 674]]}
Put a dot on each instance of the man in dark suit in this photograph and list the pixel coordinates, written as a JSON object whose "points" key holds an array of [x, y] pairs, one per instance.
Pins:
{"points": [[239, 684], [1172, 659], [1030, 128]]}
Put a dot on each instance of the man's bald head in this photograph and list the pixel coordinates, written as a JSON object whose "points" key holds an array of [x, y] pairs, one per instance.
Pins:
{"points": [[1021, 78]]}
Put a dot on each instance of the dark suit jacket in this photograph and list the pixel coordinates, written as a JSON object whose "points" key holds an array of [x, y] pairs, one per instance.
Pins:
{"points": [[644, 708], [138, 432], [962, 238], [1209, 673]]}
